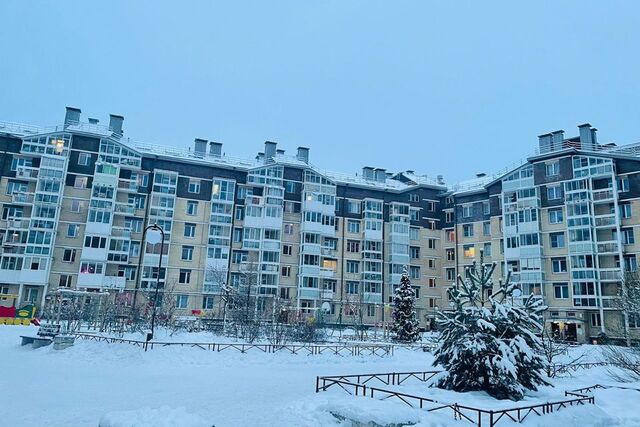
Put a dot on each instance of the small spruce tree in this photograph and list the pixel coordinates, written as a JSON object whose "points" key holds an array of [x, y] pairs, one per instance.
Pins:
{"points": [[489, 343], [405, 324]]}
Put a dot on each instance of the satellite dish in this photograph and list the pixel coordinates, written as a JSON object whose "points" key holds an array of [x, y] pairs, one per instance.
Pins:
{"points": [[326, 307], [517, 293]]}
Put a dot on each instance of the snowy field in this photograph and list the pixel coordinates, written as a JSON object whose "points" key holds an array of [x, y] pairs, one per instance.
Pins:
{"points": [[95, 383]]}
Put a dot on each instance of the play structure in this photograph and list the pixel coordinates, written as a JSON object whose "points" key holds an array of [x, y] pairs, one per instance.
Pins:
{"points": [[12, 315]]}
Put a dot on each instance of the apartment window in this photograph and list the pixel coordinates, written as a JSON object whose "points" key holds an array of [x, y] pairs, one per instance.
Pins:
{"points": [[194, 187], [559, 265], [451, 274], [95, 242], [187, 253], [353, 226], [352, 287], [554, 192], [72, 230], [466, 211], [135, 225], [414, 272], [353, 206], [80, 182], [450, 235], [287, 249], [486, 228], [285, 271], [556, 216], [596, 321], [76, 206], [413, 197], [630, 263], [625, 210], [134, 249], [84, 159], [451, 254], [353, 246], [237, 235], [431, 206], [239, 215], [432, 282], [91, 267], [65, 281], [553, 169], [487, 249], [371, 310], [486, 208], [469, 251], [414, 251], [627, 236], [288, 228], [189, 230], [69, 255], [414, 214], [182, 301], [467, 230], [414, 233], [561, 290], [208, 303], [448, 216], [623, 184], [238, 257], [431, 263], [185, 277], [556, 240], [431, 243], [192, 208], [353, 267]]}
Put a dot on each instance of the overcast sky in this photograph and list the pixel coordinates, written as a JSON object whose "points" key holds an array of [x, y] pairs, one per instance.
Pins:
{"points": [[450, 88]]}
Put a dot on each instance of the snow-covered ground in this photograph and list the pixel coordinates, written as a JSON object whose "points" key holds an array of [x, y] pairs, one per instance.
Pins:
{"points": [[118, 385]]}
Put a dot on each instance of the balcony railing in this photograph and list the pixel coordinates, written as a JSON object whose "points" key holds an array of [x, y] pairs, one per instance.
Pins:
{"points": [[26, 172], [23, 198], [605, 220], [602, 195], [608, 247], [612, 274]]}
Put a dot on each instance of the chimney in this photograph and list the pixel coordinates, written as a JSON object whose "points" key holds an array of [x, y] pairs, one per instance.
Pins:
{"points": [[72, 116], [93, 121], [594, 137], [269, 150], [200, 147], [380, 174], [367, 173], [115, 124], [260, 157], [440, 179], [557, 138], [215, 149], [544, 143], [481, 175], [303, 154], [586, 137], [280, 152]]}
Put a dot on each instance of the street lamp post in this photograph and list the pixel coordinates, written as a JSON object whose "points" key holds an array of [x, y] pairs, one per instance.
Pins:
{"points": [[155, 237]]}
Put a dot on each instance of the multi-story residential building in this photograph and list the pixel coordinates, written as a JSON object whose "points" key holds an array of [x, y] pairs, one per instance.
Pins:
{"points": [[77, 198]]}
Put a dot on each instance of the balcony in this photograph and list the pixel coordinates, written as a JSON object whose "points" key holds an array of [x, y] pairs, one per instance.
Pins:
{"points": [[327, 294], [21, 198], [128, 186], [113, 282], [372, 298], [309, 293], [605, 195], [25, 172], [124, 209], [310, 270], [327, 273], [610, 274], [328, 251], [605, 221], [311, 249], [610, 247], [120, 232]]}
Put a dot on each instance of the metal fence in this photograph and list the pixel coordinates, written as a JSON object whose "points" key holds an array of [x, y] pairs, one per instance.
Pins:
{"points": [[358, 385], [305, 349]]}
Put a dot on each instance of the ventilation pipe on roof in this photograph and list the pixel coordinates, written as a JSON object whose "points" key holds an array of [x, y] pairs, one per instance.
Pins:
{"points": [[269, 150], [200, 147], [215, 149], [93, 121], [115, 123], [72, 116], [440, 179], [380, 174], [367, 173], [303, 154]]}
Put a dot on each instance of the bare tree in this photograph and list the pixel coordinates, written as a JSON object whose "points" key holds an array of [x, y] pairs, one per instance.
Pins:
{"points": [[354, 304], [552, 348]]}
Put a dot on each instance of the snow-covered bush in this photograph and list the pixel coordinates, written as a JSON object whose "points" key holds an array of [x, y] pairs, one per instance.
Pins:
{"points": [[488, 342]]}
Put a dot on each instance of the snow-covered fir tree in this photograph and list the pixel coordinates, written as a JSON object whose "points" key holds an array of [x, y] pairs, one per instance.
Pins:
{"points": [[488, 342], [405, 324]]}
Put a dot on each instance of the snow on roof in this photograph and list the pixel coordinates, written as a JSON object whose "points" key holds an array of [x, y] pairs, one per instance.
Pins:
{"points": [[472, 185], [354, 179], [422, 179]]}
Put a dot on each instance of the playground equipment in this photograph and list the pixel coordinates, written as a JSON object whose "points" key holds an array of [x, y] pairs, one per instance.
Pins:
{"points": [[24, 315]]}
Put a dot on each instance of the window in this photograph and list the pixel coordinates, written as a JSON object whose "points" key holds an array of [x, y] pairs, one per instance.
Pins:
{"points": [[80, 182], [596, 322], [353, 226], [353, 206], [194, 187], [556, 216], [431, 243], [69, 255], [414, 233], [287, 249], [451, 254], [448, 216], [189, 230], [95, 242], [187, 253], [192, 208], [288, 228], [554, 192], [72, 230], [559, 265], [76, 206], [432, 282], [415, 252], [630, 263], [625, 210], [238, 257], [239, 215], [237, 235], [627, 236], [84, 159], [91, 267], [134, 249], [414, 272], [467, 230], [285, 271], [451, 274], [623, 184], [553, 169], [486, 228], [353, 246], [466, 211], [487, 249], [561, 290], [469, 251], [556, 240], [182, 301], [431, 263], [353, 267], [207, 303], [185, 276], [352, 287], [65, 281], [486, 208], [413, 197]]}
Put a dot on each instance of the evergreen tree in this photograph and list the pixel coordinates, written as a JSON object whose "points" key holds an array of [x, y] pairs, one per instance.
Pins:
{"points": [[405, 324], [489, 343]]}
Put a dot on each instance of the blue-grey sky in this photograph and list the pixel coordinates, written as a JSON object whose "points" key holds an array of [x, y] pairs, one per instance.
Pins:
{"points": [[447, 87]]}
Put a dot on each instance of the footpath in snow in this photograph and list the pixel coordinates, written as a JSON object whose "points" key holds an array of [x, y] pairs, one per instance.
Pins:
{"points": [[116, 385]]}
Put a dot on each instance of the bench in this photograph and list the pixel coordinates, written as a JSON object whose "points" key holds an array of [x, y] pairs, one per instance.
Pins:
{"points": [[44, 337]]}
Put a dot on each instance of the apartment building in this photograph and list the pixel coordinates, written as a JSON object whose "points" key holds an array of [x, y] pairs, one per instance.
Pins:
{"points": [[77, 198]]}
